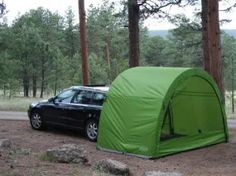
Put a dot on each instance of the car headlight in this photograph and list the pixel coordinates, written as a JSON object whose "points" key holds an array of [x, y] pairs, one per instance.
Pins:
{"points": [[34, 104]]}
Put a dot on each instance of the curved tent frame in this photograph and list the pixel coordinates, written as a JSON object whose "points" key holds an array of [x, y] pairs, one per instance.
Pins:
{"points": [[153, 112]]}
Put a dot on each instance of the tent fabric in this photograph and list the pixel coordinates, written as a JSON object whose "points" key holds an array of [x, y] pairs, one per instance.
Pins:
{"points": [[157, 111]]}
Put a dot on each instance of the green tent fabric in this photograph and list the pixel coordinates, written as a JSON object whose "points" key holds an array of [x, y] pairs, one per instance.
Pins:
{"points": [[157, 111]]}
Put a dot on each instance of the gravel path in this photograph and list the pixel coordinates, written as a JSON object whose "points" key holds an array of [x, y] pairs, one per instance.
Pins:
{"points": [[12, 115]]}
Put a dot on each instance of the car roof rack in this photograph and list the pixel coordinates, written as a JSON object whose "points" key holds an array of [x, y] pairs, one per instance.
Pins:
{"points": [[95, 85]]}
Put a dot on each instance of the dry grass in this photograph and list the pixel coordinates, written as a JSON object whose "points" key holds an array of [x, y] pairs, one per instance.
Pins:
{"points": [[16, 104]]}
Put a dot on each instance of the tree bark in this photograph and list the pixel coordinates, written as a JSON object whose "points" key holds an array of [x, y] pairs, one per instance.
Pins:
{"points": [[42, 78], [55, 88], [205, 37], [232, 84], [10, 91], [215, 46], [134, 53], [211, 41], [4, 89], [107, 56], [34, 80], [26, 84], [83, 42]]}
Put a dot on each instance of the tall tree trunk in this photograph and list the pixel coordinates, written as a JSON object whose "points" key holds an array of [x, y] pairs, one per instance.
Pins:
{"points": [[211, 41], [10, 91], [232, 83], [83, 42], [72, 50], [55, 84], [26, 83], [55, 88], [107, 56], [205, 37], [34, 80], [42, 78], [215, 46], [134, 53], [4, 89], [232, 100]]}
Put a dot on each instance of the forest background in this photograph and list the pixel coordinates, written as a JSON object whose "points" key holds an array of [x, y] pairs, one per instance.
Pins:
{"points": [[40, 51]]}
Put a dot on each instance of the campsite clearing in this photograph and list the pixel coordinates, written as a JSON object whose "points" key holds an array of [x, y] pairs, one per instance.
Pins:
{"points": [[29, 145]]}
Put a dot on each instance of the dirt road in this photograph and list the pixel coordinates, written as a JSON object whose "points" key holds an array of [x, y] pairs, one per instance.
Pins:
{"points": [[12, 115]]}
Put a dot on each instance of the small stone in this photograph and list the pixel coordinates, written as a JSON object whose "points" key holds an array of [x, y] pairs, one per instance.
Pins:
{"points": [[111, 166]]}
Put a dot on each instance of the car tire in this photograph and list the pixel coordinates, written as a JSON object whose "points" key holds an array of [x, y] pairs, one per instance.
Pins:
{"points": [[91, 130], [36, 121]]}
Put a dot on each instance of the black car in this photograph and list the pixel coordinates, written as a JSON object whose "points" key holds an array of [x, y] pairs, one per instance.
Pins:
{"points": [[77, 107]]}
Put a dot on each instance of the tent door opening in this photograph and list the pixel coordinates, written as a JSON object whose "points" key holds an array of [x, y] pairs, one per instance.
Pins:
{"points": [[168, 130]]}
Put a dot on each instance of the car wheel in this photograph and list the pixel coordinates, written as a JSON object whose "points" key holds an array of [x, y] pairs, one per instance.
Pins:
{"points": [[91, 130], [36, 121]]}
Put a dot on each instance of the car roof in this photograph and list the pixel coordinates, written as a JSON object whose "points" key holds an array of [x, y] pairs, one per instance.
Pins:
{"points": [[92, 88]]}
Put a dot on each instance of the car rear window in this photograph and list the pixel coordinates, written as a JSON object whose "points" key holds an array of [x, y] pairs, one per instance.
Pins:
{"points": [[98, 98]]}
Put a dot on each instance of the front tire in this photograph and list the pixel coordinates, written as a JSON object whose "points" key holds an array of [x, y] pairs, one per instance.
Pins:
{"points": [[91, 130], [36, 121]]}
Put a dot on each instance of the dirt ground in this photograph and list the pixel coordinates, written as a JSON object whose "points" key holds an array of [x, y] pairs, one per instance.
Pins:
{"points": [[29, 145]]}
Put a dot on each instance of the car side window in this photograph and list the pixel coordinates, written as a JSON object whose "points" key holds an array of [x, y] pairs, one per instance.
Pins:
{"points": [[98, 98], [83, 97], [65, 97]]}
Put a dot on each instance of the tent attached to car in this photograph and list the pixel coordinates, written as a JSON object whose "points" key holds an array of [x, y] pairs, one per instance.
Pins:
{"points": [[153, 112]]}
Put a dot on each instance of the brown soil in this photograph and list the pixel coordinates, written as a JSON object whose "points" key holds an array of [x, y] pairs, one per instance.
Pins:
{"points": [[28, 146]]}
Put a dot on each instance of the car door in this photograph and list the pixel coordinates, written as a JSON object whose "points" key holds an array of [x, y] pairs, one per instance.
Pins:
{"points": [[77, 111], [56, 111]]}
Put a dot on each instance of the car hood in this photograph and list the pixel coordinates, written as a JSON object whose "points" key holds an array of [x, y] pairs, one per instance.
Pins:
{"points": [[33, 104]]}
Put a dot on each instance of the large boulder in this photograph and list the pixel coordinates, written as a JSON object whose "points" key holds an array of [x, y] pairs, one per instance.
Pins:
{"points": [[67, 153], [111, 167], [155, 173]]}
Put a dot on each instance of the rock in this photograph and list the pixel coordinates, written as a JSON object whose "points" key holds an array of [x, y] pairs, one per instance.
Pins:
{"points": [[154, 173], [5, 144], [67, 153], [22, 151], [111, 166]]}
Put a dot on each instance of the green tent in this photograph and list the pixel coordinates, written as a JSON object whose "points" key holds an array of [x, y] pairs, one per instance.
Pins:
{"points": [[153, 112]]}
